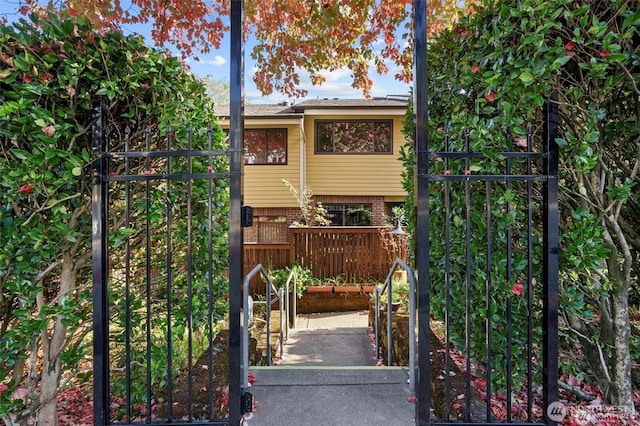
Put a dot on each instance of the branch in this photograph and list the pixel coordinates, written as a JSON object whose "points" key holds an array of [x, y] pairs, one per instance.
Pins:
{"points": [[576, 391], [631, 79], [596, 345], [47, 271], [42, 209], [77, 135]]}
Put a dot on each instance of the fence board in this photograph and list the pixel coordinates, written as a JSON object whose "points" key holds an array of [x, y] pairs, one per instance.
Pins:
{"points": [[354, 254]]}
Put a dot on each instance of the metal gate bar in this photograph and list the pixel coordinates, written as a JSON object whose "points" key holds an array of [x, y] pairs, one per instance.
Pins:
{"points": [[538, 174], [507, 180], [111, 189]]}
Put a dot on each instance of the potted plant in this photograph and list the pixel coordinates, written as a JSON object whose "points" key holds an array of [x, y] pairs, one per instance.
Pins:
{"points": [[399, 296], [341, 286], [319, 286]]}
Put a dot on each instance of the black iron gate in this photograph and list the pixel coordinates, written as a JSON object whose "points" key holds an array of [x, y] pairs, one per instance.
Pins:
{"points": [[487, 260], [161, 288], [167, 269], [491, 268]]}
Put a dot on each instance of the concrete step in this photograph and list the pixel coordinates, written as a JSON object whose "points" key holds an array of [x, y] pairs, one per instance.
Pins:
{"points": [[329, 347], [314, 396]]}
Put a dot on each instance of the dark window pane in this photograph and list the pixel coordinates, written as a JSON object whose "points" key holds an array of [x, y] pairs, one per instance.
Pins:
{"points": [[358, 215], [324, 137], [265, 146], [255, 147], [354, 136], [277, 144], [383, 137], [349, 214]]}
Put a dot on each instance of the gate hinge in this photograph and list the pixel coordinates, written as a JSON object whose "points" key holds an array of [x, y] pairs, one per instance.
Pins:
{"points": [[246, 402], [246, 213]]}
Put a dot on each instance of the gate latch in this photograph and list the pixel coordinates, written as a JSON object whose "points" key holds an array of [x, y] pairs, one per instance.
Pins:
{"points": [[246, 402], [246, 213]]}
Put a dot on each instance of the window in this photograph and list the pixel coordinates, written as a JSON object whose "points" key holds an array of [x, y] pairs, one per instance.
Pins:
{"points": [[349, 214], [265, 146], [354, 137]]}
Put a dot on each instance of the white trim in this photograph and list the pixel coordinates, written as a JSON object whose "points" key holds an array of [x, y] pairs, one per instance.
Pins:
{"points": [[356, 111]]}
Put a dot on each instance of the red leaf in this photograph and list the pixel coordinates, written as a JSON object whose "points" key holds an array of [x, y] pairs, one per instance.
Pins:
{"points": [[475, 69], [490, 96], [517, 288], [26, 188], [480, 383], [570, 46], [46, 77]]}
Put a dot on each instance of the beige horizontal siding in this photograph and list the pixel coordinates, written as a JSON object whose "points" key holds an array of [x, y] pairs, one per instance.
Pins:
{"points": [[355, 174], [263, 183]]}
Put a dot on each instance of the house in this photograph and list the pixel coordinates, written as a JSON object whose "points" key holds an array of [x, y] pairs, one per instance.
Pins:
{"points": [[345, 150]]}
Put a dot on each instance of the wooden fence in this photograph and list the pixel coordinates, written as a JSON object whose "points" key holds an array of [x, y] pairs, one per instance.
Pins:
{"points": [[350, 254]]}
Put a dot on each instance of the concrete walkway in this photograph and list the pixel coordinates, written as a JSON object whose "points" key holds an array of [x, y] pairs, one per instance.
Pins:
{"points": [[330, 339], [327, 377]]}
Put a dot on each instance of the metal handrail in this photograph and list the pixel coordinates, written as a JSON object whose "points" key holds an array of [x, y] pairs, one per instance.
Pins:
{"points": [[291, 315], [388, 285], [279, 293]]}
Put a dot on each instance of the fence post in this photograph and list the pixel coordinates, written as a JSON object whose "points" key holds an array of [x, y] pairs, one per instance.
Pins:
{"points": [[421, 146], [236, 133], [551, 256], [100, 267]]}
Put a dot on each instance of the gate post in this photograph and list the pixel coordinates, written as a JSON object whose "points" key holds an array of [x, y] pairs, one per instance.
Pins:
{"points": [[100, 263], [236, 113], [550, 257], [420, 96]]}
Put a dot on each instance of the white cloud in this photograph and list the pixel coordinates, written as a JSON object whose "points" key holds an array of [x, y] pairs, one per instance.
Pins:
{"points": [[337, 84], [335, 75], [217, 61]]}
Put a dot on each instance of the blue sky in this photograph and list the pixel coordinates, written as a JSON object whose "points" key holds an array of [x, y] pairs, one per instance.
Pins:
{"points": [[216, 64]]}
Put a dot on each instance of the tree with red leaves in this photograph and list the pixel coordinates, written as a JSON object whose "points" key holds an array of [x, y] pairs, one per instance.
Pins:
{"points": [[291, 36]]}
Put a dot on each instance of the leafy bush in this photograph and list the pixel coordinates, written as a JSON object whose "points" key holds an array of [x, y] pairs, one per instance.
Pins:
{"points": [[303, 277], [53, 70], [490, 75]]}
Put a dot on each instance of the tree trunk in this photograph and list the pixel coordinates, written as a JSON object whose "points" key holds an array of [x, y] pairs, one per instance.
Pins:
{"points": [[619, 273], [53, 343], [48, 412], [622, 392]]}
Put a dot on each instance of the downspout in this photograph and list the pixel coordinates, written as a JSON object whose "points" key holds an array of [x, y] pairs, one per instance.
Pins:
{"points": [[303, 155]]}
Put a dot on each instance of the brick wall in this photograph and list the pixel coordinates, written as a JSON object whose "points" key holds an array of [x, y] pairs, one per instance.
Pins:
{"points": [[379, 210]]}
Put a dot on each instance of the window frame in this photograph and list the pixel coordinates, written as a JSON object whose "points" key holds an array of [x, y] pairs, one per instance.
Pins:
{"points": [[345, 211], [374, 121], [266, 131]]}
